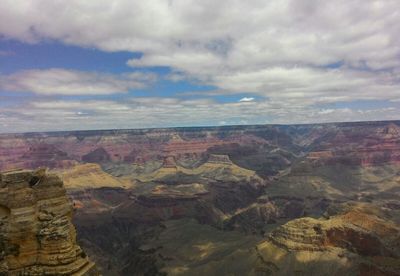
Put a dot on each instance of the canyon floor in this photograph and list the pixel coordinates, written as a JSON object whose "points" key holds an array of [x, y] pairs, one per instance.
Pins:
{"points": [[242, 200]]}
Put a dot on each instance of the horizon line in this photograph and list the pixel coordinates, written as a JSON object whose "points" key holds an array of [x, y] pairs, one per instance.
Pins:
{"points": [[192, 127]]}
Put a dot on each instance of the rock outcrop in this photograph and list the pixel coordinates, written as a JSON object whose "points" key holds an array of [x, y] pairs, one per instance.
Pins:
{"points": [[224, 159], [352, 240], [37, 236], [169, 162], [354, 231], [89, 176], [97, 156]]}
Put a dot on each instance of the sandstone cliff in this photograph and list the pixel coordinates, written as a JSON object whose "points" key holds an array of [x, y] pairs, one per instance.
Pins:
{"points": [[36, 233], [356, 242]]}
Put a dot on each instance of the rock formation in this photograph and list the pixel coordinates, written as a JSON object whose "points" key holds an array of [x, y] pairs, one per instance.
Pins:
{"points": [[98, 155], [352, 240], [214, 158], [169, 162], [36, 233], [89, 176]]}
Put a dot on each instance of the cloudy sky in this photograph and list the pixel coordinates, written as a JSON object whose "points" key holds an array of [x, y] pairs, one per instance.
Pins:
{"points": [[105, 64]]}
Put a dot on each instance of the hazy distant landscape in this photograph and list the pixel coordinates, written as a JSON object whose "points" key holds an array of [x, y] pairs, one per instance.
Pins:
{"points": [[240, 200]]}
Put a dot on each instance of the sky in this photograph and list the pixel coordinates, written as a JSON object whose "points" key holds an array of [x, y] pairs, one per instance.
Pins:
{"points": [[104, 64]]}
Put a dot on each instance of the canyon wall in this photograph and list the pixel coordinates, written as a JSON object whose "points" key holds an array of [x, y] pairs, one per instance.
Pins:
{"points": [[36, 233]]}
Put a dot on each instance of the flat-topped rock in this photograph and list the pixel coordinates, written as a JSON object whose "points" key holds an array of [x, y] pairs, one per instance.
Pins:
{"points": [[217, 158], [355, 231]]}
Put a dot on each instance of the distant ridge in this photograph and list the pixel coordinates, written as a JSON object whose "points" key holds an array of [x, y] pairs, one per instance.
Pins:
{"points": [[57, 133]]}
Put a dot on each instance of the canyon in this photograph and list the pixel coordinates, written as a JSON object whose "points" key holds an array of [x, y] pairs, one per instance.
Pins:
{"points": [[318, 199]]}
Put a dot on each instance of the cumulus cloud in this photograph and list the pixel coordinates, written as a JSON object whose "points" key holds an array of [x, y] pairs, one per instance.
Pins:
{"points": [[70, 82], [235, 45], [294, 54]]}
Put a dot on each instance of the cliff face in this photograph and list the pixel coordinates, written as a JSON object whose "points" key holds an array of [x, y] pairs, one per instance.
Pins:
{"points": [[264, 149], [346, 243], [36, 233]]}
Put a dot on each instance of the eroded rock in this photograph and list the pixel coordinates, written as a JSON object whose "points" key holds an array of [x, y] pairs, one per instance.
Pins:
{"points": [[36, 233]]}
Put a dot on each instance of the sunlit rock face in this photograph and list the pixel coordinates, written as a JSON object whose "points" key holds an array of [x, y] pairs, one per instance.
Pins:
{"points": [[354, 242], [37, 236]]}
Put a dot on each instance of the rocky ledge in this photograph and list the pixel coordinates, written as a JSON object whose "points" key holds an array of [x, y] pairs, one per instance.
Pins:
{"points": [[355, 242], [355, 231], [37, 236]]}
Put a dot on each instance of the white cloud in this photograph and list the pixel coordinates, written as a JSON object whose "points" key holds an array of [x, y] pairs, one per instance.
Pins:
{"points": [[69, 82], [311, 85], [246, 99], [245, 46], [169, 112], [92, 105], [286, 51]]}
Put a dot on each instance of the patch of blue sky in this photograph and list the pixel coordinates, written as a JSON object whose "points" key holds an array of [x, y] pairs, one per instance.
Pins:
{"points": [[9, 99], [334, 65], [45, 55]]}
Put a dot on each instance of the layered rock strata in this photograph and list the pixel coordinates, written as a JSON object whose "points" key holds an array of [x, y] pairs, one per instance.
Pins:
{"points": [[352, 243], [37, 236]]}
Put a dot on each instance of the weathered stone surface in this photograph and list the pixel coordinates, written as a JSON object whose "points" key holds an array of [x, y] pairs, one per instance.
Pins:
{"points": [[366, 243], [36, 233], [214, 158]]}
